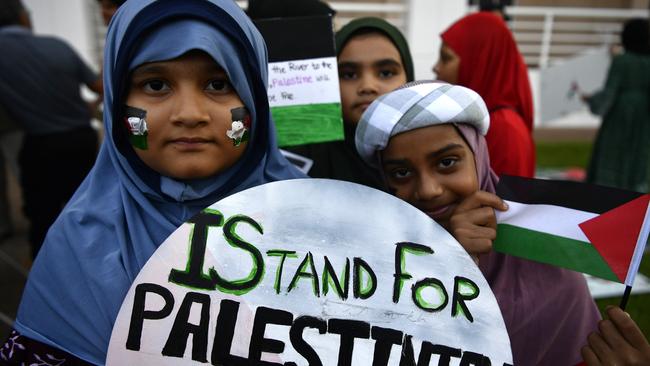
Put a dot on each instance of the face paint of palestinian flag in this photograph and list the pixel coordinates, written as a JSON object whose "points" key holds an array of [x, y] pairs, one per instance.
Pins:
{"points": [[591, 229]]}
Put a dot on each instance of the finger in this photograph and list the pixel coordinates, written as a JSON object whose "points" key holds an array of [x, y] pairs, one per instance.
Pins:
{"points": [[491, 219], [627, 327], [477, 246], [474, 239], [475, 232], [482, 198], [600, 348], [612, 336], [482, 216], [589, 356]]}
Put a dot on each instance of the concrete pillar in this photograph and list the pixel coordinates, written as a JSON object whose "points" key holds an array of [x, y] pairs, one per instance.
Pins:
{"points": [[425, 20]]}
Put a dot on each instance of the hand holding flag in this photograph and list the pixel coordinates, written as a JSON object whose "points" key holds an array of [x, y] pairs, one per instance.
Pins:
{"points": [[619, 341], [473, 222]]}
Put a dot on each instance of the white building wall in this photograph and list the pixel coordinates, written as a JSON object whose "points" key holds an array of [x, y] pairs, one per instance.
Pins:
{"points": [[71, 20], [426, 19]]}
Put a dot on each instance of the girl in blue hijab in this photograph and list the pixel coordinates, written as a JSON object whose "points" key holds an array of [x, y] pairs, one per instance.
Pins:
{"points": [[187, 123]]}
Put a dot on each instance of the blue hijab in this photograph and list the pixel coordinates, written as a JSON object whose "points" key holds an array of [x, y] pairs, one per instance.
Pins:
{"points": [[124, 210]]}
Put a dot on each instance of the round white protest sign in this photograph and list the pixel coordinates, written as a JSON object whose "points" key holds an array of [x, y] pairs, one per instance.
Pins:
{"points": [[310, 272]]}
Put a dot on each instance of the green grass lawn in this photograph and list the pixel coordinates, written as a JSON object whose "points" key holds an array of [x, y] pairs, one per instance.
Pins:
{"points": [[563, 154], [559, 155]]}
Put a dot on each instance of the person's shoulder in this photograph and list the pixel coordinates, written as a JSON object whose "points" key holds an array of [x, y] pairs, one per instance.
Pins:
{"points": [[636, 57], [630, 64], [54, 41], [51, 43], [625, 58]]}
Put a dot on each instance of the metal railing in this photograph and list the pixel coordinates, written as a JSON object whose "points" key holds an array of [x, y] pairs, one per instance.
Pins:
{"points": [[545, 35], [359, 7], [549, 34]]}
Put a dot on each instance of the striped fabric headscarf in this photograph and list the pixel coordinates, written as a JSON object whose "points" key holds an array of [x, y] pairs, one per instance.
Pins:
{"points": [[416, 105]]}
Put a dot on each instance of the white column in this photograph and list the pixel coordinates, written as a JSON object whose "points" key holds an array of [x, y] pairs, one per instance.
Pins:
{"points": [[425, 20]]}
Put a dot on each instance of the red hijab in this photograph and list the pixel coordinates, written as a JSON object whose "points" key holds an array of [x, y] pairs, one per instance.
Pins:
{"points": [[491, 64]]}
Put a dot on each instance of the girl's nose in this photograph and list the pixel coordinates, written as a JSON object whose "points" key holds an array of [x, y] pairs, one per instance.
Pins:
{"points": [[190, 107], [428, 188], [436, 69], [367, 84]]}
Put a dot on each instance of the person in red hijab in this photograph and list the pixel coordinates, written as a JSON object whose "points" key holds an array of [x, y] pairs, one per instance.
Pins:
{"points": [[479, 52]]}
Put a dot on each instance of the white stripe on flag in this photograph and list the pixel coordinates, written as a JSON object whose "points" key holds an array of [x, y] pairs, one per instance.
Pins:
{"points": [[550, 219]]}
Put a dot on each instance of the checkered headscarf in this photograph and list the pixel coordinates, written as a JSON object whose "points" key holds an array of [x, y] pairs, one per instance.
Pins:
{"points": [[417, 105]]}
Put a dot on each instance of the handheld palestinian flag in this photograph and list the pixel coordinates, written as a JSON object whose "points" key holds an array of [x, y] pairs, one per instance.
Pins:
{"points": [[586, 228]]}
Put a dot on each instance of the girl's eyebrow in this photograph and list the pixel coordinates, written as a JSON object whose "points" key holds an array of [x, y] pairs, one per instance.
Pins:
{"points": [[379, 63], [386, 62], [348, 65], [444, 150], [149, 69], [159, 68], [430, 155]]}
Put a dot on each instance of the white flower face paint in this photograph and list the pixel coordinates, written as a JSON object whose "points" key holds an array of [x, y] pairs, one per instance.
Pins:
{"points": [[237, 130], [241, 123], [137, 125]]}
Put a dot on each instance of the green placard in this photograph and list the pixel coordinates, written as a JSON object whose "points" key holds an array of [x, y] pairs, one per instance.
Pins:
{"points": [[310, 123]]}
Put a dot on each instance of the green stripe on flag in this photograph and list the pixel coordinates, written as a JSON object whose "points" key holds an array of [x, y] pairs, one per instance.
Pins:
{"points": [[551, 249], [306, 124]]}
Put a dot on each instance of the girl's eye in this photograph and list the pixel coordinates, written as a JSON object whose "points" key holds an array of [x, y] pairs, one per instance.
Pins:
{"points": [[446, 163], [385, 74], [401, 173], [347, 75], [219, 85], [155, 86]]}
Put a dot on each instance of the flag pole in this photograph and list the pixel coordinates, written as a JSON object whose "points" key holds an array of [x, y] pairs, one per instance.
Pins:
{"points": [[626, 296]]}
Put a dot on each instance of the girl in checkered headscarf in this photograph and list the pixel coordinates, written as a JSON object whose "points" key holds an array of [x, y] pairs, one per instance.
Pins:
{"points": [[427, 139]]}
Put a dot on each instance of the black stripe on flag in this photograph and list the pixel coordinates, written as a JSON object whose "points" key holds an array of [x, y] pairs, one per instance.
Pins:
{"points": [[569, 194], [300, 38]]}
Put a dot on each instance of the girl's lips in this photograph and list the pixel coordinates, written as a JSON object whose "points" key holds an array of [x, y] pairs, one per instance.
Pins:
{"points": [[437, 212], [189, 143], [363, 105], [190, 140]]}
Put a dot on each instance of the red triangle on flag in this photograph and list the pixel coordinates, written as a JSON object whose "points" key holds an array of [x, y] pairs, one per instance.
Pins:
{"points": [[615, 233]]}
